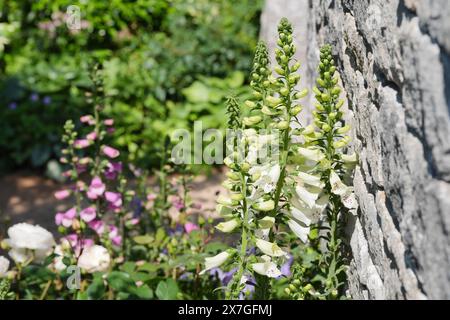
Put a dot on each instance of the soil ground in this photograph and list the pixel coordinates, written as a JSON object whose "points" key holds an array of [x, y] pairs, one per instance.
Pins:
{"points": [[28, 197]]}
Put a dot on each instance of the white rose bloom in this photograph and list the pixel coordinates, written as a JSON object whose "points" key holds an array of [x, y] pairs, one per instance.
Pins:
{"points": [[94, 259], [266, 268], [228, 226], [270, 248], [300, 231], [28, 241], [216, 261], [4, 266]]}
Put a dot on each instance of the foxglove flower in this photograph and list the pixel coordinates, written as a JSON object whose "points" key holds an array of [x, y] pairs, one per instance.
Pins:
{"points": [[266, 267], [88, 214], [228, 226], [81, 143], [110, 152], [270, 248], [112, 170], [96, 188], [189, 227], [216, 261], [62, 194]]}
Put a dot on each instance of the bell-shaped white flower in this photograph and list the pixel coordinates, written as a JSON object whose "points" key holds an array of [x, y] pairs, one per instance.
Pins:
{"points": [[310, 179], [216, 261], [300, 231], [270, 248], [308, 195], [349, 158], [307, 215], [268, 177], [4, 266], [312, 154], [265, 206], [266, 268], [349, 201], [228, 226], [226, 201], [337, 186], [224, 211], [266, 222]]}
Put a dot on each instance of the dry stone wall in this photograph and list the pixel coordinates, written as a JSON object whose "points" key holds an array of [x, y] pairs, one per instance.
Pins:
{"points": [[394, 60]]}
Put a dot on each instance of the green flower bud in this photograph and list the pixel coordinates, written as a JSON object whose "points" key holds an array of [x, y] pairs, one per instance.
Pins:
{"points": [[317, 91], [233, 175], [325, 97], [307, 288], [267, 111], [293, 78], [264, 205], [319, 107], [292, 288], [286, 48], [336, 91], [301, 94], [326, 127], [287, 291], [250, 104], [339, 104], [283, 125], [284, 91], [257, 94], [251, 121], [332, 115], [245, 167], [237, 196], [296, 110], [335, 80], [279, 70], [295, 67], [320, 82], [273, 101]]}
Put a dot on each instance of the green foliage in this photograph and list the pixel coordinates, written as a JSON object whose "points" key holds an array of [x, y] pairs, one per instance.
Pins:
{"points": [[151, 50]]}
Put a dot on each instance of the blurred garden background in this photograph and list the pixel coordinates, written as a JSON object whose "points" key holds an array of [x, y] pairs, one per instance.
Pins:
{"points": [[166, 63]]}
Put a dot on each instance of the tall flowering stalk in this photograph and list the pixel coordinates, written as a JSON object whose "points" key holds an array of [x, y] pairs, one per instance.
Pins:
{"points": [[259, 170], [327, 165]]}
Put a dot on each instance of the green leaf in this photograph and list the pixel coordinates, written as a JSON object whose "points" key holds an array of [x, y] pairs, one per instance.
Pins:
{"points": [[143, 292], [144, 239], [120, 281], [96, 289], [197, 92], [167, 290]]}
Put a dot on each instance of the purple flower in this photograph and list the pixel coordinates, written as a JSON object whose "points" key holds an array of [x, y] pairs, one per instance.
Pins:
{"points": [[286, 267], [47, 100], [34, 97], [12, 106], [112, 170]]}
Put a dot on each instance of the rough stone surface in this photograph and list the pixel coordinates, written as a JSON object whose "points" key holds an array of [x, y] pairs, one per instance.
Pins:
{"points": [[394, 62]]}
